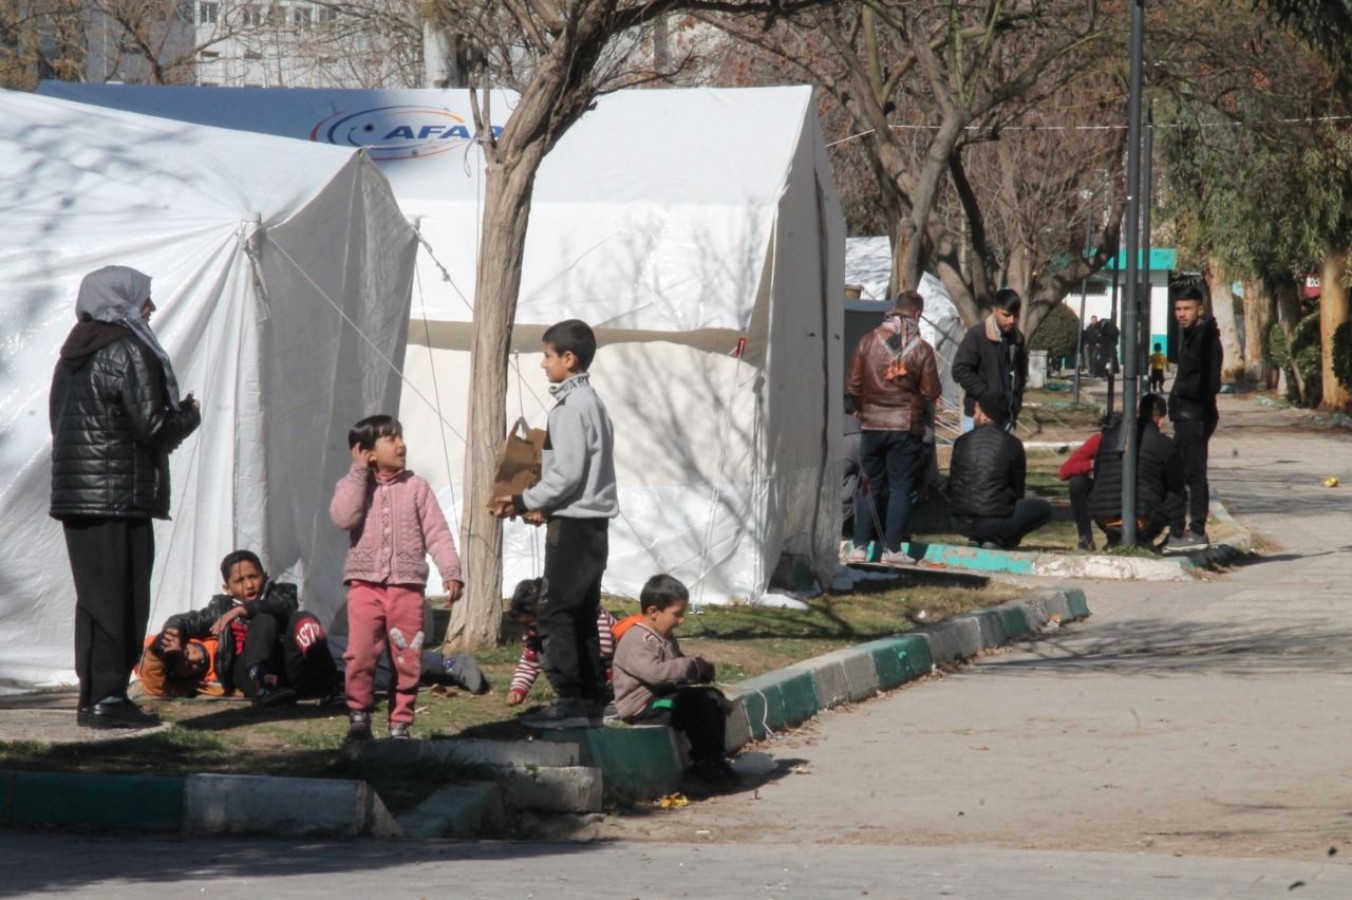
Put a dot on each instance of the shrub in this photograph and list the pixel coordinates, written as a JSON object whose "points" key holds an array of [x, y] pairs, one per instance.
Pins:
{"points": [[1057, 333]]}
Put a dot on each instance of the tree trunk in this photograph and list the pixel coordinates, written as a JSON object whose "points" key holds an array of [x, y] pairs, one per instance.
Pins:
{"points": [[1223, 310], [477, 620], [908, 261], [1333, 312], [1288, 316], [1259, 305]]}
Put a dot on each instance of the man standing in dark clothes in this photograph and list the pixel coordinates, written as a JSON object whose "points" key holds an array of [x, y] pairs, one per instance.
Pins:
{"points": [[1107, 348], [115, 416], [986, 485], [991, 364], [1192, 409]]}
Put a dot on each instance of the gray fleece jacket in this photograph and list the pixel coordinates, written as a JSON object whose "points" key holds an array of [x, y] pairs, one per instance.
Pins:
{"points": [[578, 477], [648, 665]]}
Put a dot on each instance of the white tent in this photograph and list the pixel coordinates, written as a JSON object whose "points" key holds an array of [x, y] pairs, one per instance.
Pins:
{"points": [[698, 231], [282, 276]]}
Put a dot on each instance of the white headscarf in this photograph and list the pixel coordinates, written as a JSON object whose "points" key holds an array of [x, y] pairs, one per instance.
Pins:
{"points": [[115, 294]]}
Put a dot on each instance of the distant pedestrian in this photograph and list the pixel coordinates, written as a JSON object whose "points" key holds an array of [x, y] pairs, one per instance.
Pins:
{"points": [[893, 379], [1192, 409], [1158, 363], [1107, 348], [116, 416], [991, 364], [1089, 342]]}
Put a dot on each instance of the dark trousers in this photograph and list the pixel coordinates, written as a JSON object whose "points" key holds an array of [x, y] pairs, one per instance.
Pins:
{"points": [[1191, 438], [111, 561], [575, 558], [696, 712], [892, 462], [1156, 381], [296, 652], [1080, 486], [1029, 514]]}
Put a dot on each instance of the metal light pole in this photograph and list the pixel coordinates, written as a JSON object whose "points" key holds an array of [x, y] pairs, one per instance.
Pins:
{"points": [[1147, 181], [1131, 308], [1084, 285]]}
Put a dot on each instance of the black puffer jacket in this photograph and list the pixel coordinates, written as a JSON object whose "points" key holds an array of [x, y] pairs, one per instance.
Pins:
{"points": [[278, 599], [1156, 478], [987, 474], [1198, 378], [112, 427]]}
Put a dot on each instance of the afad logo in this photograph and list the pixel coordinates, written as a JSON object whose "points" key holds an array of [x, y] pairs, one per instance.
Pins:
{"points": [[398, 132]]}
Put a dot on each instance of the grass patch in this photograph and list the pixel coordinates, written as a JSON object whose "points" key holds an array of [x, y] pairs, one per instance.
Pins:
{"points": [[232, 737]]}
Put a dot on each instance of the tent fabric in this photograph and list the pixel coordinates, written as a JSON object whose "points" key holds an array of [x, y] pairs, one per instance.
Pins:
{"points": [[697, 231], [282, 277]]}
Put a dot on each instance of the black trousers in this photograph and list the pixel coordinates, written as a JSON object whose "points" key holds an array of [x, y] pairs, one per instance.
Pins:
{"points": [[696, 712], [297, 652], [111, 562], [1029, 514], [1080, 486], [575, 558], [1191, 439]]}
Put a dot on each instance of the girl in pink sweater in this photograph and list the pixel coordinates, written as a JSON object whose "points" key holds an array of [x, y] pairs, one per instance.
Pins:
{"points": [[394, 522]]}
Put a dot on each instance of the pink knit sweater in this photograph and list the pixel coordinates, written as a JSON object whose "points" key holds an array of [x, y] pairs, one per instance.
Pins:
{"points": [[393, 522]]}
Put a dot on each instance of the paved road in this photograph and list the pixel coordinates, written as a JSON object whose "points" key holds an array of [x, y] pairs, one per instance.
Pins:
{"points": [[1199, 718]]}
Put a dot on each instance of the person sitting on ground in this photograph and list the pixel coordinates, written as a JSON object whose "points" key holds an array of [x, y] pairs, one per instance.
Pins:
{"points": [[189, 673], [1078, 473], [458, 670], [269, 648], [1159, 480], [656, 684], [986, 484], [525, 600], [1158, 363]]}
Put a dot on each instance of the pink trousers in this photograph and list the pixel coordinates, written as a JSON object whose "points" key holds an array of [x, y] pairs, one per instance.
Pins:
{"points": [[379, 616]]}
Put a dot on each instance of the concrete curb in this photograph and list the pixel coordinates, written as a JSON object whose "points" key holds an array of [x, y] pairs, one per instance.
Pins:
{"points": [[195, 804]]}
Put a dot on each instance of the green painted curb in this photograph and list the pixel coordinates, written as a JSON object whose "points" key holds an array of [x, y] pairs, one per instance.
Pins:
{"points": [[899, 659], [634, 762], [974, 559], [1079, 606], [139, 802]]}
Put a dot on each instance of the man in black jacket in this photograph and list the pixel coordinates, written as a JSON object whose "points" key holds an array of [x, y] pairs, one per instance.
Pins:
{"points": [[115, 416], [269, 648], [1192, 409], [991, 364], [986, 485], [1159, 483]]}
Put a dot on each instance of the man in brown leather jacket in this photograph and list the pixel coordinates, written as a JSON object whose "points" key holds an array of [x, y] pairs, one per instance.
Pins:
{"points": [[893, 379]]}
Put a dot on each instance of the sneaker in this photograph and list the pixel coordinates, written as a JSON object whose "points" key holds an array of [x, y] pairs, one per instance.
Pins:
{"points": [[401, 731], [1191, 542], [465, 672], [274, 696], [358, 726], [610, 715], [857, 555], [334, 699], [714, 776], [1085, 544], [896, 558], [564, 712], [115, 712]]}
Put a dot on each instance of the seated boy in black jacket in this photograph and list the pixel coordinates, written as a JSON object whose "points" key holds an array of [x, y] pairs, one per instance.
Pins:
{"points": [[986, 483], [268, 648]]}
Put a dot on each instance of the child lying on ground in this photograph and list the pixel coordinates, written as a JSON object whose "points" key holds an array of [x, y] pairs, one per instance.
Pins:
{"points": [[655, 684], [525, 599]]}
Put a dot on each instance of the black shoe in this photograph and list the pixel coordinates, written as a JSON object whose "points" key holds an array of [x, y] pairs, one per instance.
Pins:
{"points": [[1085, 544], [358, 726], [465, 672], [1191, 542], [716, 775], [274, 696], [115, 713]]}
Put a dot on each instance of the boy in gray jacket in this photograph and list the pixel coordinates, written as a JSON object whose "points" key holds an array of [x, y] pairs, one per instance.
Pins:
{"points": [[576, 498], [656, 684]]}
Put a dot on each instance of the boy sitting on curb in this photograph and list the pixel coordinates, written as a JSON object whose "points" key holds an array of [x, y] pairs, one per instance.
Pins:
{"points": [[655, 684]]}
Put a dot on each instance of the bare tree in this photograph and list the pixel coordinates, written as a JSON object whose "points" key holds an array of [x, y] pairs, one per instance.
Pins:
{"points": [[559, 55]]}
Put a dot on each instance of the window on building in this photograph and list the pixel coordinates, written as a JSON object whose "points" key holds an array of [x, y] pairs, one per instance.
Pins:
{"points": [[208, 12], [328, 14], [252, 14], [276, 15], [208, 55], [252, 54], [302, 18]]}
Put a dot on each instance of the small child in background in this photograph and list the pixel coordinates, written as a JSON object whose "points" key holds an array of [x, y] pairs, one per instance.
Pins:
{"points": [[655, 684], [1158, 363], [386, 570], [525, 599]]}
